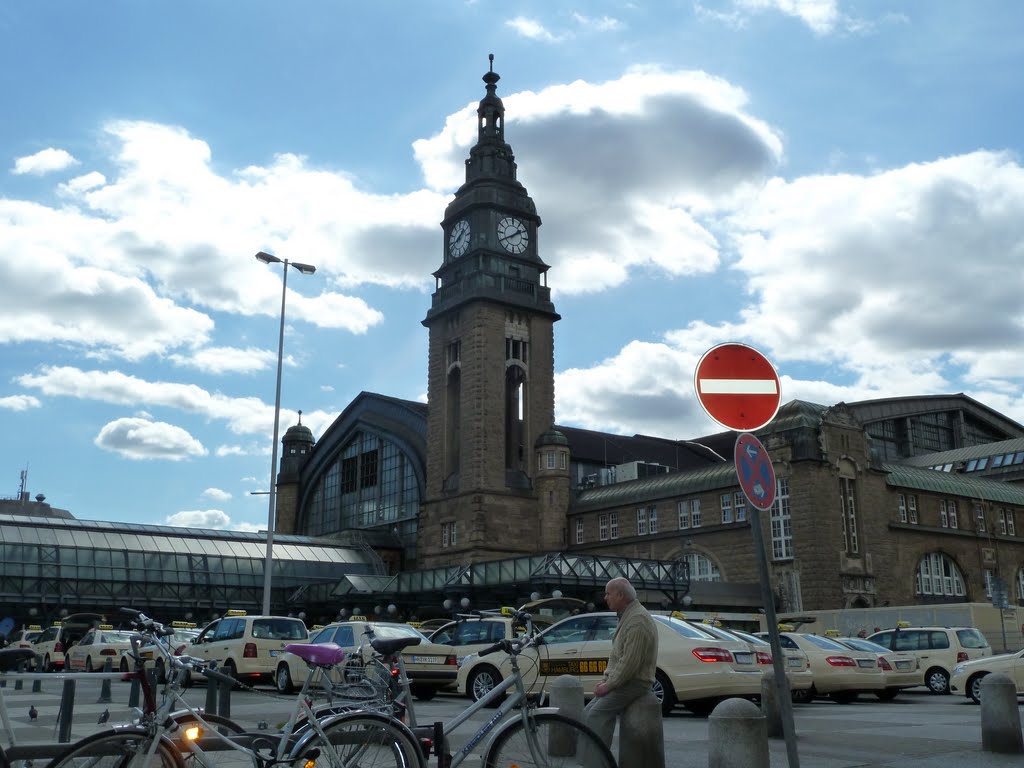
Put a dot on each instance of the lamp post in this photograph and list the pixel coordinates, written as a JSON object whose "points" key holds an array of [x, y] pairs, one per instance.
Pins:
{"points": [[306, 269]]}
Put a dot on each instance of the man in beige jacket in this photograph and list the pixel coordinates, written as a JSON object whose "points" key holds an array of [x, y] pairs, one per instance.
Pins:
{"points": [[631, 665]]}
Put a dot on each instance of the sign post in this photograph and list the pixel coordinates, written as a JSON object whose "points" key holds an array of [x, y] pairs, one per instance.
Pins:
{"points": [[738, 387]]}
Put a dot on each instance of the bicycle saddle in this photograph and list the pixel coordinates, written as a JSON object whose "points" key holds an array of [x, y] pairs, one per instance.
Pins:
{"points": [[393, 645], [11, 657], [320, 654]]}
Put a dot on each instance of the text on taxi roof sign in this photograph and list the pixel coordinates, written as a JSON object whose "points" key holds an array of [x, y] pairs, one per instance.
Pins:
{"points": [[737, 386]]}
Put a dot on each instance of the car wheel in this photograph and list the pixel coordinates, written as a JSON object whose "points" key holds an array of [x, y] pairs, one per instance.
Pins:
{"points": [[424, 692], [483, 680], [843, 697], [88, 664], [230, 670], [974, 688], [887, 695], [664, 692], [937, 680], [803, 696], [283, 679]]}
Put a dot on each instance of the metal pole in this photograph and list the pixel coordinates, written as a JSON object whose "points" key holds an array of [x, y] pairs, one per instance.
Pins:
{"points": [[269, 564], [785, 701]]}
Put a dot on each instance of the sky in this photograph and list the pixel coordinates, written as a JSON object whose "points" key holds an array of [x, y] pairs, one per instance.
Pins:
{"points": [[837, 183]]}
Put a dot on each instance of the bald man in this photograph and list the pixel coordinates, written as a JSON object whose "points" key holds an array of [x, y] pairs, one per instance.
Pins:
{"points": [[631, 666]]}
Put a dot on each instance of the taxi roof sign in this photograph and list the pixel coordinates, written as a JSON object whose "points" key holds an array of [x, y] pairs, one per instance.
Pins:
{"points": [[234, 612], [35, 628], [105, 626]]}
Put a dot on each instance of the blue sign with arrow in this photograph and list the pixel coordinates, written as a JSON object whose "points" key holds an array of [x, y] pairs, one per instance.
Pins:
{"points": [[755, 471]]}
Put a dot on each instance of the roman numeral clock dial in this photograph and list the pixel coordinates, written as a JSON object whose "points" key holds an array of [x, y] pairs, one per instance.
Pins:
{"points": [[512, 235]]}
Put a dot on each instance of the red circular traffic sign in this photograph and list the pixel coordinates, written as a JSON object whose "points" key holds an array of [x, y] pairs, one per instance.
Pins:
{"points": [[737, 386], [755, 471]]}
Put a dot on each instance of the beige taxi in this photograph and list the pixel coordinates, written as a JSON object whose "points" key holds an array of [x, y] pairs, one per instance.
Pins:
{"points": [[90, 654], [23, 638], [967, 675], [840, 673], [900, 670], [430, 666], [937, 649], [694, 668], [177, 644], [795, 663], [248, 647]]}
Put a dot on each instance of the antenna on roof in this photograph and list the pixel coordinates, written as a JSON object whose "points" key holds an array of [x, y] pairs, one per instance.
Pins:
{"points": [[490, 58]]}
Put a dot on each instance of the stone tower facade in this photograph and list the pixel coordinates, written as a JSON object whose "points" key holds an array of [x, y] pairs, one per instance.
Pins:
{"points": [[297, 447], [490, 367]]}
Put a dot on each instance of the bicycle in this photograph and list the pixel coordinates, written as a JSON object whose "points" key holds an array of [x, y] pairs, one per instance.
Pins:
{"points": [[540, 737], [352, 739]]}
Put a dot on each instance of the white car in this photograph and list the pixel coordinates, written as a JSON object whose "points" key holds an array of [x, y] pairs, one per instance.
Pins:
{"points": [[694, 668], [96, 646], [430, 666], [840, 673], [967, 675]]}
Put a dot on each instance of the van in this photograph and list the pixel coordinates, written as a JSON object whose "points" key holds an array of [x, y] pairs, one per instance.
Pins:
{"points": [[937, 649], [247, 647]]}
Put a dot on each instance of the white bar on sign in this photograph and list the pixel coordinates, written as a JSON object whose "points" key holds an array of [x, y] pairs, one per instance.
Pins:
{"points": [[738, 386]]}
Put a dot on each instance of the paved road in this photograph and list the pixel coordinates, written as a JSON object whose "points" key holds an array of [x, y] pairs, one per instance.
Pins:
{"points": [[914, 731]]}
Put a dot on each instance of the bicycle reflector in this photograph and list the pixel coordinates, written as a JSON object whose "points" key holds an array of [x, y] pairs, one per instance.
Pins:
{"points": [[193, 732]]}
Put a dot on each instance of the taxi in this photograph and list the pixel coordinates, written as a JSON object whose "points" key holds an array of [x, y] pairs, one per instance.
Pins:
{"points": [[185, 632], [430, 666], [23, 638], [472, 632], [841, 673], [900, 670], [967, 675], [96, 646], [694, 668], [49, 646], [247, 647], [798, 670]]}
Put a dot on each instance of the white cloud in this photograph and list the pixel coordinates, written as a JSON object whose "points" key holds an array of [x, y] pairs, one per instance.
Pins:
{"points": [[141, 439], [532, 30], [81, 184], [215, 519], [217, 494], [19, 402], [822, 17], [43, 162], [220, 360], [602, 24], [241, 415]]}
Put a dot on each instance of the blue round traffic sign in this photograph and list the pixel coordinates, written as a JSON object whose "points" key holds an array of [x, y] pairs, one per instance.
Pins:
{"points": [[755, 471]]}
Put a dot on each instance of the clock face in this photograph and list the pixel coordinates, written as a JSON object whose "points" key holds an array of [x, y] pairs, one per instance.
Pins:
{"points": [[458, 240], [512, 235]]}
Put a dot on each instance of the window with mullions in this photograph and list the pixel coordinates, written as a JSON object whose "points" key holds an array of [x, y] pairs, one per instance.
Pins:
{"points": [[602, 527], [739, 506], [937, 574], [371, 483], [1020, 583], [613, 525], [702, 568], [782, 523], [725, 501], [641, 521], [579, 530], [848, 511]]}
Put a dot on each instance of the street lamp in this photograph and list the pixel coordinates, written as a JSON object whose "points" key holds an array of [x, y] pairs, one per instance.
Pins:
{"points": [[306, 269]]}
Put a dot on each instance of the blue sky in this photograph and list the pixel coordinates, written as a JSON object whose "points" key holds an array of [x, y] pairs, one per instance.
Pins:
{"points": [[836, 183]]}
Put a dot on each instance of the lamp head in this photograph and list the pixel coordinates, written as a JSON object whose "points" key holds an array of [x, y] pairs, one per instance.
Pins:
{"points": [[306, 269], [266, 258]]}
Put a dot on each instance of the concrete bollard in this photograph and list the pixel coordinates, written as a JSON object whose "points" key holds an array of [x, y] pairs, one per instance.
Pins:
{"points": [[642, 733], [1000, 715], [108, 666], [770, 703], [737, 736], [566, 695], [66, 713], [37, 666], [19, 683]]}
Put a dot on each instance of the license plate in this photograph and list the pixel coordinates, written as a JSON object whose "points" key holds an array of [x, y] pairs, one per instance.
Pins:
{"points": [[428, 659], [904, 665], [867, 663], [744, 658], [793, 662]]}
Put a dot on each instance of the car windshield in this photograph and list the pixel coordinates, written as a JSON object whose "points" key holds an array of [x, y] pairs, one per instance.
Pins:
{"points": [[394, 631], [864, 645], [825, 643], [116, 637], [684, 628], [971, 638]]}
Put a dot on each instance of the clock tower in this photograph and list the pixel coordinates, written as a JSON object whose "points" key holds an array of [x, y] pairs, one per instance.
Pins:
{"points": [[491, 365]]}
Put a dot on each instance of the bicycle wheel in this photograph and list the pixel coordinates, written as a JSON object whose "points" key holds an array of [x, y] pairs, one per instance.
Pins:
{"points": [[361, 740], [118, 749], [562, 742]]}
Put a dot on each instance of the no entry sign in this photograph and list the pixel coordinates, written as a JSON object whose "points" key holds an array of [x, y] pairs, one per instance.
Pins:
{"points": [[755, 471], [737, 386]]}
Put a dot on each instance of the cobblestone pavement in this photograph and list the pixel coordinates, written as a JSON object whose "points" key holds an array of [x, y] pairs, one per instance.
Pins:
{"points": [[914, 731]]}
